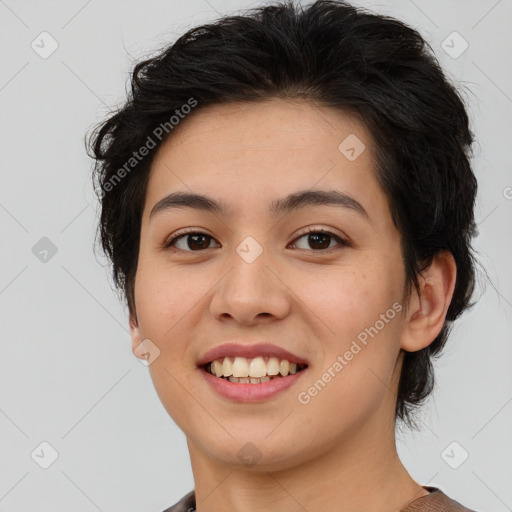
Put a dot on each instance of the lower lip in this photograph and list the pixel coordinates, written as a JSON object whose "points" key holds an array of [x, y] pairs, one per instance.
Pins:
{"points": [[242, 392]]}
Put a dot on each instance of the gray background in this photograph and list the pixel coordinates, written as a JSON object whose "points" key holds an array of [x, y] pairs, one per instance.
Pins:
{"points": [[67, 373]]}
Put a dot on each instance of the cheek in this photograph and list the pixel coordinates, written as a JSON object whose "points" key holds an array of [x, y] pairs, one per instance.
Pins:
{"points": [[162, 297], [360, 323], [164, 309], [345, 301]]}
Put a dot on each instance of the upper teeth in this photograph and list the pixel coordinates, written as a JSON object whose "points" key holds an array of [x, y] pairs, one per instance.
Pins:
{"points": [[256, 367]]}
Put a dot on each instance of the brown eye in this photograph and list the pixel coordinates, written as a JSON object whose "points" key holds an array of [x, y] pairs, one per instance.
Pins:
{"points": [[320, 240], [194, 241]]}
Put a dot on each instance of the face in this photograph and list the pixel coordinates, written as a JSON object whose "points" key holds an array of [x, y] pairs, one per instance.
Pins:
{"points": [[328, 281]]}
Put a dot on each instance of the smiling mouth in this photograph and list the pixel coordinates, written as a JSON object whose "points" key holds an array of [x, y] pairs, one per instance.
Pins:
{"points": [[278, 370]]}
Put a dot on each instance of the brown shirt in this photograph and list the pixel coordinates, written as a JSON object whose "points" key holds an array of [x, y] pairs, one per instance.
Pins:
{"points": [[436, 501]]}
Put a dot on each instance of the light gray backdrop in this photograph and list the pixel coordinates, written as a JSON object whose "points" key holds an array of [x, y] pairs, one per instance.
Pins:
{"points": [[81, 427]]}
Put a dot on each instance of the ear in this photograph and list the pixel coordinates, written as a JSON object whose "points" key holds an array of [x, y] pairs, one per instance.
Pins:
{"points": [[427, 310], [136, 337]]}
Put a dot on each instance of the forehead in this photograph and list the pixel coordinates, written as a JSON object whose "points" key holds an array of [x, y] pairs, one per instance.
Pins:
{"points": [[270, 125], [248, 151]]}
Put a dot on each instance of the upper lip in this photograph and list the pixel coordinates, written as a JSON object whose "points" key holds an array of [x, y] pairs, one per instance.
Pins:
{"points": [[249, 351]]}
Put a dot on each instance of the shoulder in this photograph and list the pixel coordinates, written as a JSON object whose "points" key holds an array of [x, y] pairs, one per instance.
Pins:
{"points": [[436, 501], [186, 504]]}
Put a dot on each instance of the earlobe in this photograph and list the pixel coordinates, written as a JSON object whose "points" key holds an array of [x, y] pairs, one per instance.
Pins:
{"points": [[135, 335], [427, 310]]}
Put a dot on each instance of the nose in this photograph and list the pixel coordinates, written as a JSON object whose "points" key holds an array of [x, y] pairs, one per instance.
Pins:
{"points": [[251, 292]]}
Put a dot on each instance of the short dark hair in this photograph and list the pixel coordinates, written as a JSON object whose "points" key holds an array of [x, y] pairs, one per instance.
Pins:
{"points": [[336, 55]]}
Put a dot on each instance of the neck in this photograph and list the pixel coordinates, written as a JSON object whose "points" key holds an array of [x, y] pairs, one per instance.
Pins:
{"points": [[362, 471]]}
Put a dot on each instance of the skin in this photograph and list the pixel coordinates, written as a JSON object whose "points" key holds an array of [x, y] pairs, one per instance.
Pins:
{"points": [[340, 447]]}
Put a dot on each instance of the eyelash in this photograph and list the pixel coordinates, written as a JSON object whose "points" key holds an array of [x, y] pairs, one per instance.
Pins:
{"points": [[342, 242]]}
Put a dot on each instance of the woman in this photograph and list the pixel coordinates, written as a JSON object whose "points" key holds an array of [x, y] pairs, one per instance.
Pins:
{"points": [[287, 201]]}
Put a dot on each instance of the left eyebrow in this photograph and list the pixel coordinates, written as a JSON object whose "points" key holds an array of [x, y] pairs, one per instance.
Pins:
{"points": [[287, 204]]}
